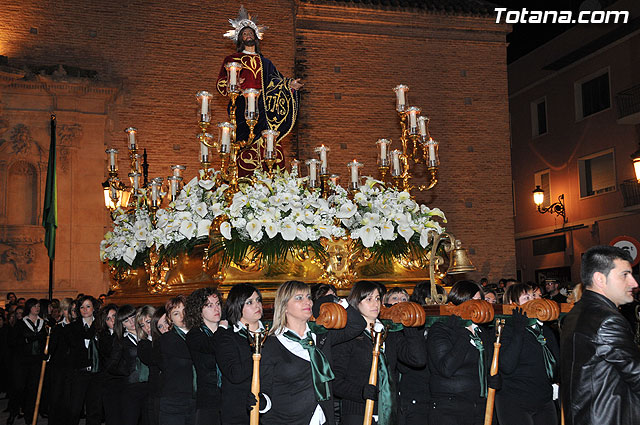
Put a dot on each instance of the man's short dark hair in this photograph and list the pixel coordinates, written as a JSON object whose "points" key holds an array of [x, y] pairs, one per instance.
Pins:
{"points": [[600, 258]]}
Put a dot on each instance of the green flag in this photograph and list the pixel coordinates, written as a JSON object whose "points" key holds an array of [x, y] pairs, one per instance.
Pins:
{"points": [[50, 212]]}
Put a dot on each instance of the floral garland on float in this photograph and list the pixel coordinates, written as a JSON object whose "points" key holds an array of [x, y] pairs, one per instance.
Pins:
{"points": [[277, 220]]}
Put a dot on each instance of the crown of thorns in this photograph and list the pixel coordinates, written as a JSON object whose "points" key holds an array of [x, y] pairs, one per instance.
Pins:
{"points": [[244, 20]]}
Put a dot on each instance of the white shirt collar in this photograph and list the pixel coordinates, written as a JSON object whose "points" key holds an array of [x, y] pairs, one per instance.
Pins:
{"points": [[238, 326], [246, 52]]}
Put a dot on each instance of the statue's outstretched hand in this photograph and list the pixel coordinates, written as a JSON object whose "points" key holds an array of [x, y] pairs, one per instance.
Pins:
{"points": [[296, 84]]}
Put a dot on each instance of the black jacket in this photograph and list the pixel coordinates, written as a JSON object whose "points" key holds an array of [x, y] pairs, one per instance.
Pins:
{"points": [[123, 360], [600, 365], [176, 367], [30, 342], [233, 355], [453, 361], [284, 377], [202, 353], [80, 357], [524, 378], [149, 354], [352, 364]]}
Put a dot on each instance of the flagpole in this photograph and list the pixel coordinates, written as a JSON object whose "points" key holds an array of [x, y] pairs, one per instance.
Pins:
{"points": [[50, 210]]}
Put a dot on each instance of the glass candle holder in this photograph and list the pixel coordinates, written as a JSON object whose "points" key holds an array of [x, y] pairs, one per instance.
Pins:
{"points": [[401, 97], [174, 186], [204, 98], [396, 164], [113, 160], [233, 72], [177, 170], [136, 164], [269, 137], [156, 185], [295, 167], [354, 169], [423, 126], [313, 172], [224, 137], [251, 103], [412, 120], [135, 181], [132, 141], [322, 155], [383, 152], [432, 149]]}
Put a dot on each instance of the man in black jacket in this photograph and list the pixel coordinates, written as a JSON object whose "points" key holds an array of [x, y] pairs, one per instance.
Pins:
{"points": [[599, 361]]}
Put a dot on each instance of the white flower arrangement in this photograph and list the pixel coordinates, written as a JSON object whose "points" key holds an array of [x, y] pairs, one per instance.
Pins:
{"points": [[130, 236], [378, 213], [279, 205], [273, 208]]}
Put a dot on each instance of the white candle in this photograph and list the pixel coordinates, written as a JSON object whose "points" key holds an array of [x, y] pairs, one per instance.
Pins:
{"points": [[232, 76], [270, 143], [251, 106], [154, 193], [432, 152], [136, 181], [400, 94], [112, 160], [422, 121], [323, 160], [412, 119], [205, 105], [396, 162], [383, 150], [354, 171], [204, 153], [132, 139], [226, 138], [174, 188], [312, 171]]}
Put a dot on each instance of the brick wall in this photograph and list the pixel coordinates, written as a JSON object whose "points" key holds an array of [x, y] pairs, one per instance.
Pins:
{"points": [[350, 57]]}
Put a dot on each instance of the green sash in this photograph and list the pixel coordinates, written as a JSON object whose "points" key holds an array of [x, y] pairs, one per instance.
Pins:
{"points": [[386, 389], [477, 342], [549, 360], [320, 368]]}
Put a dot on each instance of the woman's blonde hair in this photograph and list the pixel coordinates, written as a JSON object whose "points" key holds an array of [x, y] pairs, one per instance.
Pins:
{"points": [[283, 295], [141, 314]]}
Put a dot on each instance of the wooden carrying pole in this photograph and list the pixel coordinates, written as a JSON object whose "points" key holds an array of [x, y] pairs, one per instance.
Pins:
{"points": [[491, 393], [42, 369], [373, 375], [254, 416]]}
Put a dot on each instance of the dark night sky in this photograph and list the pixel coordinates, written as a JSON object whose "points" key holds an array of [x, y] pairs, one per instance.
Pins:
{"points": [[526, 37]]}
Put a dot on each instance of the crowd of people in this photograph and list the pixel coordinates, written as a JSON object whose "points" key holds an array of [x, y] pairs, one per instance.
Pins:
{"points": [[190, 361]]}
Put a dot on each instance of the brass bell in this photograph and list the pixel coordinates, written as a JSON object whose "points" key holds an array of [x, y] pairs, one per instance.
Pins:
{"points": [[459, 261]]}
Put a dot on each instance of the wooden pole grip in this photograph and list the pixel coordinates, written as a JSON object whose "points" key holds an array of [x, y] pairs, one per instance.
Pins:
{"points": [[373, 380], [491, 394], [254, 417], [42, 370]]}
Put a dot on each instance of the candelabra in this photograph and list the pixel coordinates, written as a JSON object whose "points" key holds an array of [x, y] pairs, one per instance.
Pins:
{"points": [[118, 194], [414, 135]]}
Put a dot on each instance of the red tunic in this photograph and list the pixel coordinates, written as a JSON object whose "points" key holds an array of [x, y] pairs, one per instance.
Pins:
{"points": [[251, 71]]}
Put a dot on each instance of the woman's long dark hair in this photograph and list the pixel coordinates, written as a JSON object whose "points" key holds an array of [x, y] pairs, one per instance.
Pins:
{"points": [[101, 317], [238, 295]]}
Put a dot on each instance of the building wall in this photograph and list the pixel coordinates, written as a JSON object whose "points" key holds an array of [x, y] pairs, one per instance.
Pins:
{"points": [[600, 218], [350, 57]]}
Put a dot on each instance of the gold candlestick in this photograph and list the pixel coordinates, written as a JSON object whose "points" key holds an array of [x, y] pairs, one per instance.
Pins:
{"points": [[324, 178], [383, 173]]}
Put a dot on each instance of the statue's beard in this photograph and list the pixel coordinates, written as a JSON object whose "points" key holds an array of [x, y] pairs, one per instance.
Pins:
{"points": [[249, 43]]}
